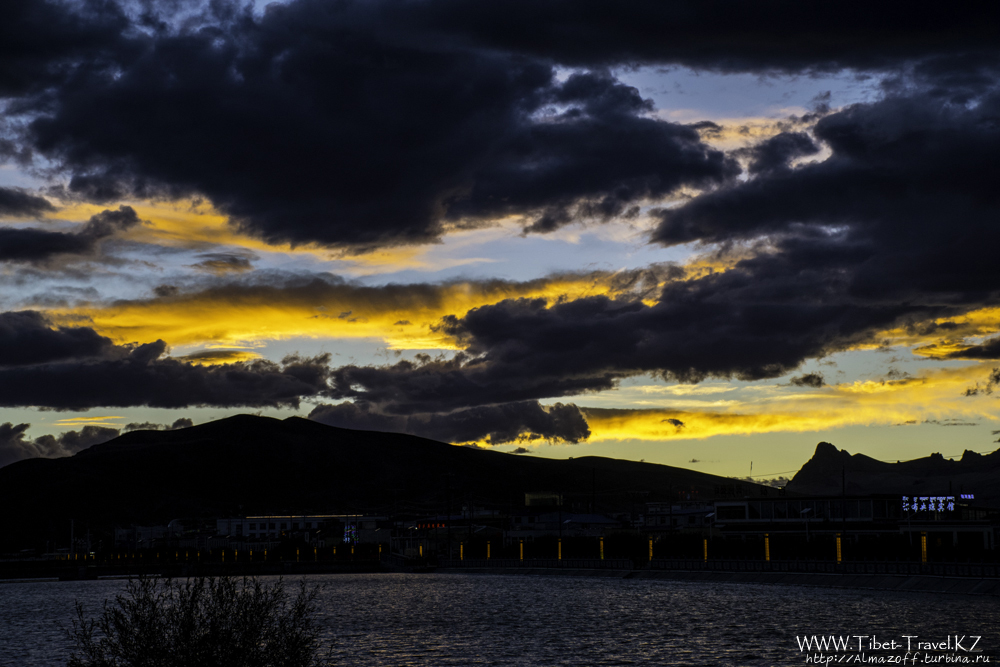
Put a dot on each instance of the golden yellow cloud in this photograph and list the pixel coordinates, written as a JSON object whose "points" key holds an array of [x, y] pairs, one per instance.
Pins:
{"points": [[940, 337], [933, 395], [88, 421], [212, 357], [197, 225], [404, 316], [661, 425], [183, 224]]}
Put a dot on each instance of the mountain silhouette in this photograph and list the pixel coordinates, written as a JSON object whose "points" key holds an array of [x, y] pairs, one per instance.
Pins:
{"points": [[247, 465], [831, 471]]}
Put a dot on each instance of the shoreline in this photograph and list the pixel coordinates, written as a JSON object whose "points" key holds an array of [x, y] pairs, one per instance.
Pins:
{"points": [[921, 583], [916, 583]]}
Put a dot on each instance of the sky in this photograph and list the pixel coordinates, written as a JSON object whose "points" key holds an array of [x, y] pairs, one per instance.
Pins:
{"points": [[708, 235]]}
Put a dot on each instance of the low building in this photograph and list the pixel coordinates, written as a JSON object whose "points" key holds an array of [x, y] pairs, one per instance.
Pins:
{"points": [[956, 519], [530, 526], [675, 517], [347, 528]]}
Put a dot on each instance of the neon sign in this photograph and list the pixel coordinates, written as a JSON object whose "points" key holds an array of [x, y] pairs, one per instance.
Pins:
{"points": [[928, 503]]}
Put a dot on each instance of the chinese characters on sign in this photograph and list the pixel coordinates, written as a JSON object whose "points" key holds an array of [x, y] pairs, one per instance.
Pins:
{"points": [[928, 503]]}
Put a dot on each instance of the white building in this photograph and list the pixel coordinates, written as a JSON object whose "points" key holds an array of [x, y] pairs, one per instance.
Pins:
{"points": [[356, 528]]}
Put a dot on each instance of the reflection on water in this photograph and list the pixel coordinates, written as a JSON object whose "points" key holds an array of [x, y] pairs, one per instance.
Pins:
{"points": [[400, 619]]}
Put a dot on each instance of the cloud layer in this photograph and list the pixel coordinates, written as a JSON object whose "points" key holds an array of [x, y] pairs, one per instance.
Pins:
{"points": [[14, 444], [365, 131], [15, 202], [75, 368], [495, 424], [39, 245], [382, 123], [367, 125]]}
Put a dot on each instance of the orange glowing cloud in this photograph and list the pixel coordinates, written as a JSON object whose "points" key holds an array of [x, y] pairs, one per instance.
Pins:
{"points": [[404, 316], [933, 395], [182, 224], [946, 336]]}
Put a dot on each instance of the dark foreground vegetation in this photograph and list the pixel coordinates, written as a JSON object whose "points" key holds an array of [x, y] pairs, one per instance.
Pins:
{"points": [[213, 622]]}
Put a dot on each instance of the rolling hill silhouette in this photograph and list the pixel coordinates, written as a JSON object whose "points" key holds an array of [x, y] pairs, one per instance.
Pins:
{"points": [[247, 465]]}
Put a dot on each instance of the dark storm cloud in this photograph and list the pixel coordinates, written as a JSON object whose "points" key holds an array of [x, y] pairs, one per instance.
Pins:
{"points": [[10, 151], [142, 378], [987, 350], [74, 441], [897, 227], [366, 128], [368, 123], [814, 380], [74, 368], [27, 338], [17, 202], [728, 35], [597, 160], [14, 445], [497, 424], [36, 245], [166, 291], [382, 122], [906, 205], [108, 222], [39, 245], [225, 262], [743, 324], [182, 422], [41, 42], [775, 154]]}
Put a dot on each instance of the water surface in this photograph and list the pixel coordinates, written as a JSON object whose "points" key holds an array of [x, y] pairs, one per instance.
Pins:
{"points": [[430, 619]]}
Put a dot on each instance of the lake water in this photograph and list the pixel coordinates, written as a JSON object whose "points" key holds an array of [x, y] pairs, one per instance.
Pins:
{"points": [[446, 619]]}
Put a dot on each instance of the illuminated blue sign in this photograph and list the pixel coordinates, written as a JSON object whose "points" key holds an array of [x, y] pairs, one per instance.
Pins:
{"points": [[928, 503]]}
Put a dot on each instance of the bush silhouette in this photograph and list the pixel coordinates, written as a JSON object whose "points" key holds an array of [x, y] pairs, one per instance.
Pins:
{"points": [[215, 622]]}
